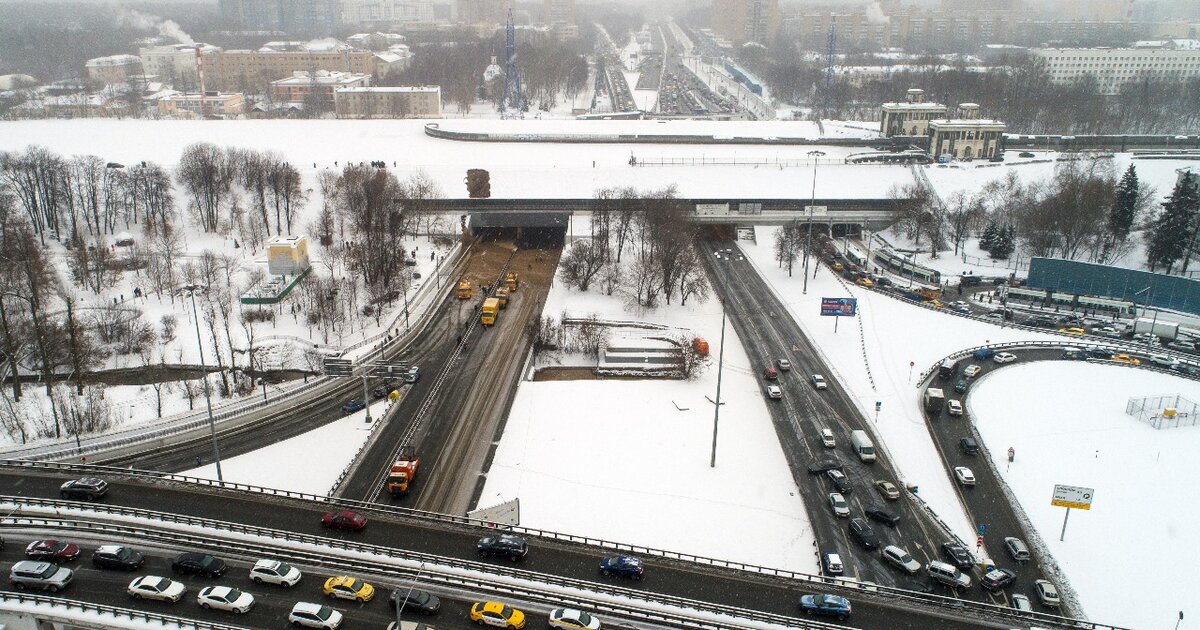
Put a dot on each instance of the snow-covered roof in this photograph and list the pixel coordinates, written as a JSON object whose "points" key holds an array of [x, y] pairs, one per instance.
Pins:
{"points": [[112, 60], [389, 57], [427, 89]]}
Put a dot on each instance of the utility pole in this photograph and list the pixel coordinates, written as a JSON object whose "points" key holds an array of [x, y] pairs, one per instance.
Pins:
{"points": [[808, 237], [212, 426]]}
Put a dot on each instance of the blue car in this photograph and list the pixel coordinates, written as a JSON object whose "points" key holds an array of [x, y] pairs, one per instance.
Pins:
{"points": [[353, 405], [623, 566], [983, 353], [828, 605]]}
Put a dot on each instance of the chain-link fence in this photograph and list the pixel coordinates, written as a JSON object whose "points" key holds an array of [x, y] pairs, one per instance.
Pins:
{"points": [[1164, 412]]}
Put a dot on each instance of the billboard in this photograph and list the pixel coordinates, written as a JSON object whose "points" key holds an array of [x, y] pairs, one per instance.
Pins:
{"points": [[1072, 497], [712, 209], [839, 307]]}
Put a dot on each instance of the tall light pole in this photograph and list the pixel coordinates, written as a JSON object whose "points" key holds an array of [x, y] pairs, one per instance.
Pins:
{"points": [[212, 425], [808, 237], [717, 406]]}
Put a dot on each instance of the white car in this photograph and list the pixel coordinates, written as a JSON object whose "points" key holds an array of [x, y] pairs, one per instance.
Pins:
{"points": [[1021, 602], [900, 559], [314, 616], [827, 439], [1004, 357], [838, 504], [1162, 360], [155, 587], [774, 392], [275, 572], [818, 381], [964, 475], [573, 619], [954, 407], [784, 365], [1047, 593], [972, 371], [225, 598]]}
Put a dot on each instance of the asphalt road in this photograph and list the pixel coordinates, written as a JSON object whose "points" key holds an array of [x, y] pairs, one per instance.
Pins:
{"points": [[576, 561], [769, 333]]}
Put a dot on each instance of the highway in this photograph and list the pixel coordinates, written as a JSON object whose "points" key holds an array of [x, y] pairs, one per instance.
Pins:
{"points": [[683, 579]]}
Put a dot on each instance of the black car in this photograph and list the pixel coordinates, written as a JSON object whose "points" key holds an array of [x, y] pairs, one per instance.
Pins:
{"points": [[840, 481], [504, 545], [118, 557], [969, 446], [1025, 154], [824, 465], [1099, 353], [383, 389], [876, 513], [415, 599], [198, 564], [958, 555], [86, 489], [861, 530], [997, 579]]}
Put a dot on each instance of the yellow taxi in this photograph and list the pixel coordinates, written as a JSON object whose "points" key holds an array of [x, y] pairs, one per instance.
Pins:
{"points": [[346, 587], [1126, 359], [865, 282], [498, 615], [1073, 331]]}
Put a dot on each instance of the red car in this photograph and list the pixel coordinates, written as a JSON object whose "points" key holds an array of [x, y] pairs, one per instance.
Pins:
{"points": [[51, 550], [344, 520]]}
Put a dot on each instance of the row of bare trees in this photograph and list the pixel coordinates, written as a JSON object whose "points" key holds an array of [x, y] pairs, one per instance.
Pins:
{"points": [[211, 175], [653, 229]]}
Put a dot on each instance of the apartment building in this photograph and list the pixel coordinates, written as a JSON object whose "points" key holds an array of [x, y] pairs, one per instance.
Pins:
{"points": [[316, 87], [177, 64], [113, 69], [742, 21], [1113, 68], [201, 105], [388, 102]]}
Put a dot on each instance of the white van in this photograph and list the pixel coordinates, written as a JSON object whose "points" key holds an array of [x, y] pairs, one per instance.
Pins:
{"points": [[863, 446], [948, 574]]}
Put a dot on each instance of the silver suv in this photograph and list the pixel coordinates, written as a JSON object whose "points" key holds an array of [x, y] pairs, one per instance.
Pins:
{"points": [[43, 575]]}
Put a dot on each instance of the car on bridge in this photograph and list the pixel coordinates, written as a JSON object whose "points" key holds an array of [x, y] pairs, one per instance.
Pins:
{"points": [[86, 489], [1020, 602], [972, 371], [964, 475], [225, 598], [346, 587], [198, 564], [622, 566], [43, 575], [826, 604], [498, 615], [51, 550], [118, 557], [840, 482], [352, 405], [838, 504], [415, 599], [997, 579], [901, 559], [958, 555], [862, 531], [887, 489], [823, 465], [876, 513], [1046, 593], [784, 365], [504, 545], [774, 393], [818, 381], [311, 615], [1126, 359], [1004, 357], [275, 572], [347, 520], [157, 588], [572, 619], [831, 562], [954, 407]]}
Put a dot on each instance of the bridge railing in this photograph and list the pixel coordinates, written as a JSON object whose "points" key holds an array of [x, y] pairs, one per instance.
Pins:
{"points": [[67, 611], [465, 524]]}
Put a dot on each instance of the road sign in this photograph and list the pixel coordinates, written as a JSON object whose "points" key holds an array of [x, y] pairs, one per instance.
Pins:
{"points": [[839, 307], [816, 211], [878, 405], [979, 541], [982, 528], [338, 367], [1011, 454], [911, 363], [1072, 497]]}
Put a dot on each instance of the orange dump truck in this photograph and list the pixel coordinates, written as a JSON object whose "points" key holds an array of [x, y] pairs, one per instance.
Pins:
{"points": [[404, 470]]}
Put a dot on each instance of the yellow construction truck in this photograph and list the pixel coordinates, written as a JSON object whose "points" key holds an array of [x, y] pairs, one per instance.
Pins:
{"points": [[464, 290], [502, 295], [511, 282], [491, 307]]}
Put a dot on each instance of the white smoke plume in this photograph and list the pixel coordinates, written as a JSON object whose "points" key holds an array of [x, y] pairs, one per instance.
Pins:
{"points": [[146, 22], [875, 14]]}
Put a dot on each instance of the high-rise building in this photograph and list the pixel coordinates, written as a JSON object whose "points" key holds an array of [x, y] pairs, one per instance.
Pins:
{"points": [[484, 11], [389, 102], [742, 21], [1172, 60], [298, 17], [558, 11]]}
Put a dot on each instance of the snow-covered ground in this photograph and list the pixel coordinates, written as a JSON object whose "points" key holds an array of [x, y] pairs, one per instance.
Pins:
{"points": [[1067, 425]]}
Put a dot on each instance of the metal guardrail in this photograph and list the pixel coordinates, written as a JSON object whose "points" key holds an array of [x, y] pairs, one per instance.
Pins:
{"points": [[432, 518], [59, 609], [360, 558], [196, 420]]}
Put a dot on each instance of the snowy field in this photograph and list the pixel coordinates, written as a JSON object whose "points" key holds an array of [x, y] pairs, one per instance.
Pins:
{"points": [[1068, 426], [633, 456], [520, 171]]}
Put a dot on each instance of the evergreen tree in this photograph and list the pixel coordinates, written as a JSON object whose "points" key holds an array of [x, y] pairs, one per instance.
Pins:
{"points": [[1174, 228], [1187, 195], [1004, 243], [1123, 212], [988, 239]]}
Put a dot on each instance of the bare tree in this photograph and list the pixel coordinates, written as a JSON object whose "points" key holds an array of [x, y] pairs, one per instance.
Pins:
{"points": [[207, 173], [581, 263]]}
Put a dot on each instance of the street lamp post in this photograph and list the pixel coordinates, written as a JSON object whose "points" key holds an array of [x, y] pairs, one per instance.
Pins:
{"points": [[808, 237], [717, 407], [212, 426]]}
